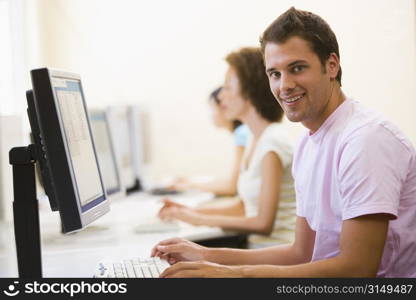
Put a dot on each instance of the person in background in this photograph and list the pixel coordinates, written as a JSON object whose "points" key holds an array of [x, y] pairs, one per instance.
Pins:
{"points": [[355, 174], [240, 132], [266, 199]]}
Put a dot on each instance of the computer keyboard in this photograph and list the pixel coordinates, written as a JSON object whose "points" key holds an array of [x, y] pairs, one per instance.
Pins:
{"points": [[132, 268], [163, 191]]}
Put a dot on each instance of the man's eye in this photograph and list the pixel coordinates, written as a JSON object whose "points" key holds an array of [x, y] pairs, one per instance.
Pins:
{"points": [[297, 69]]}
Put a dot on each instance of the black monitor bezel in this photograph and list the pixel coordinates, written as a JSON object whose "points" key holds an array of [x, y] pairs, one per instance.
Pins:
{"points": [[57, 160]]}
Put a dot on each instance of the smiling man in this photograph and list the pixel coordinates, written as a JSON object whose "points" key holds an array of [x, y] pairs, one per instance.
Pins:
{"points": [[354, 171], [306, 88]]}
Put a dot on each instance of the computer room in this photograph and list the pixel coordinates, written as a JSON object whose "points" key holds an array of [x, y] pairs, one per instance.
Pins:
{"points": [[135, 137]]}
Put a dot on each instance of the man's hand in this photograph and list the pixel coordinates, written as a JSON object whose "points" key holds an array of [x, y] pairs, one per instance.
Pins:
{"points": [[201, 269]]}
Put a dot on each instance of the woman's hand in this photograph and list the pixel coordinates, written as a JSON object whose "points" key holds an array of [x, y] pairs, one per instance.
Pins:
{"points": [[181, 184], [177, 249], [182, 213]]}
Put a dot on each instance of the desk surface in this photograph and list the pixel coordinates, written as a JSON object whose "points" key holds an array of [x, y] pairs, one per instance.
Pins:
{"points": [[111, 237]]}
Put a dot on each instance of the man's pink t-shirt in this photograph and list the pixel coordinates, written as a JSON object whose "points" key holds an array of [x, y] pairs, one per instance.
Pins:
{"points": [[355, 164]]}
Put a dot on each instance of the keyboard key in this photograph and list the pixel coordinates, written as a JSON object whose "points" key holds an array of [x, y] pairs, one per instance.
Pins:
{"points": [[138, 271], [160, 268], [146, 271], [132, 268], [154, 271], [130, 271], [120, 275]]}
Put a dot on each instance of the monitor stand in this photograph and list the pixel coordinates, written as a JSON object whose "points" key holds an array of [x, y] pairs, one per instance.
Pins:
{"points": [[137, 187], [26, 212]]}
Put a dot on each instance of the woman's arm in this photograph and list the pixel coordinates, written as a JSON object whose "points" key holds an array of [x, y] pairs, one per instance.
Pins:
{"points": [[232, 207], [263, 222], [300, 251]]}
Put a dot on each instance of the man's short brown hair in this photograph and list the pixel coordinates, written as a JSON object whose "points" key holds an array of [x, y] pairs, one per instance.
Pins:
{"points": [[308, 26]]}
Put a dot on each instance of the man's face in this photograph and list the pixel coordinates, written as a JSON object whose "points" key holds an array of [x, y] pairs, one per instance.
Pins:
{"points": [[232, 102], [299, 82]]}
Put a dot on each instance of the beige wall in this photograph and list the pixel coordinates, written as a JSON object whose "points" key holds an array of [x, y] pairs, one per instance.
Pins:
{"points": [[168, 56]]}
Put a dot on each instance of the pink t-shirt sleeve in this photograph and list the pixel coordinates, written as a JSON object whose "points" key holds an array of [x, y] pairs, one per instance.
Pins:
{"points": [[300, 210], [371, 171]]}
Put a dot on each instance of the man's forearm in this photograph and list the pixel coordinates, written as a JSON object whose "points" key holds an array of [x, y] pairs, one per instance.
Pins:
{"points": [[331, 267], [277, 255]]}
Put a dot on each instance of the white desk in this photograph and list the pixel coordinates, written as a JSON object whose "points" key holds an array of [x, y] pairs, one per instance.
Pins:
{"points": [[112, 237]]}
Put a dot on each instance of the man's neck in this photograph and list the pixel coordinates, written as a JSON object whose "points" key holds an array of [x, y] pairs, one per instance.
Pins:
{"points": [[336, 99]]}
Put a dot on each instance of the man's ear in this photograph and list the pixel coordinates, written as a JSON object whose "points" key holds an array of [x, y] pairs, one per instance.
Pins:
{"points": [[332, 65]]}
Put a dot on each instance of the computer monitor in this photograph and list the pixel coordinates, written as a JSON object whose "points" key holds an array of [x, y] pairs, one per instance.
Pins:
{"points": [[119, 128], [138, 128], [106, 155], [138, 123], [67, 155]]}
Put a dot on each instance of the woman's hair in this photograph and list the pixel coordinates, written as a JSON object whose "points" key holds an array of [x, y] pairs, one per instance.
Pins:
{"points": [[214, 97], [254, 83]]}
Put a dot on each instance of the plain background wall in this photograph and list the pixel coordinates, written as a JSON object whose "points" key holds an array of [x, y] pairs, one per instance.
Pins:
{"points": [[168, 56]]}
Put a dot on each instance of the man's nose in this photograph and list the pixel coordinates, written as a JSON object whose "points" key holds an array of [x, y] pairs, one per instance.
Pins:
{"points": [[286, 83]]}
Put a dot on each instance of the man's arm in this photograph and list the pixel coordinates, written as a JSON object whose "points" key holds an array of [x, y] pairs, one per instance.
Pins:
{"points": [[361, 248]]}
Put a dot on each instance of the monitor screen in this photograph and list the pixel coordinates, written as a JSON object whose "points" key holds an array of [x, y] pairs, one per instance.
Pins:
{"points": [[119, 125], [137, 136], [69, 164], [70, 105], [105, 151]]}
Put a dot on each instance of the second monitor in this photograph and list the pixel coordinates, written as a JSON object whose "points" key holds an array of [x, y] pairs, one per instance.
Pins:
{"points": [[104, 145]]}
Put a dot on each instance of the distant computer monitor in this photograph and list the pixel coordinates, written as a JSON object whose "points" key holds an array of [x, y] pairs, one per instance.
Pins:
{"points": [[139, 140], [106, 154], [62, 134], [119, 127], [138, 137]]}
